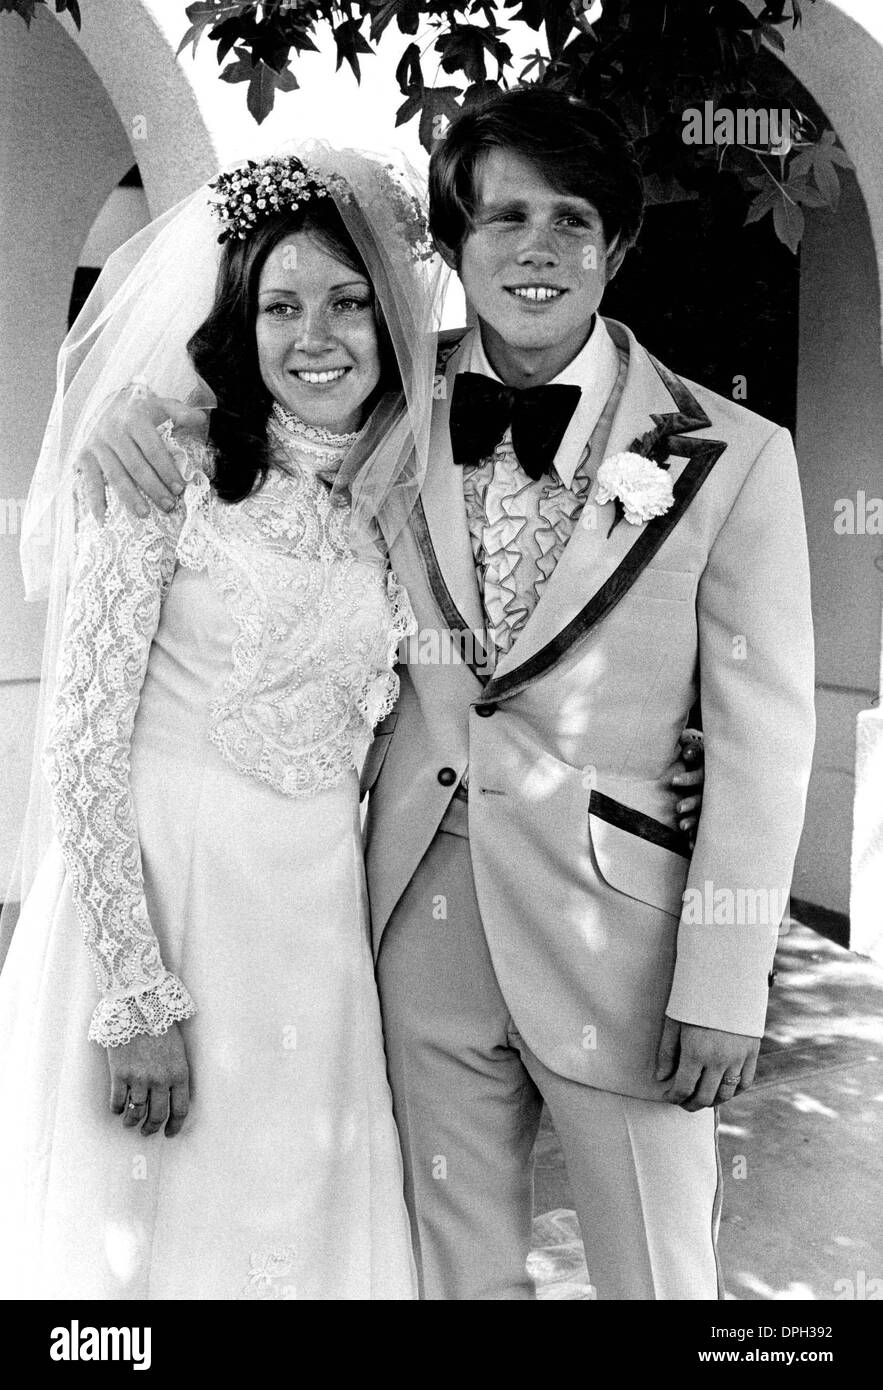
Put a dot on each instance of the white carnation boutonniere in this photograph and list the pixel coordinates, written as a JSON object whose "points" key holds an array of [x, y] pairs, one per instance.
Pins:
{"points": [[640, 488]]}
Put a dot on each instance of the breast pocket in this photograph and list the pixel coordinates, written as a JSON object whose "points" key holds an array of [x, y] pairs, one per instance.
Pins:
{"points": [[637, 854], [671, 586]]}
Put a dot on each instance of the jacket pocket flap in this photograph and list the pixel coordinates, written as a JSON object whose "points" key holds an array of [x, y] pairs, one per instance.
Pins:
{"points": [[638, 855]]}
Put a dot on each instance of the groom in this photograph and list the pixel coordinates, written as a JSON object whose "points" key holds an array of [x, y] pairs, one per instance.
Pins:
{"points": [[542, 932]]}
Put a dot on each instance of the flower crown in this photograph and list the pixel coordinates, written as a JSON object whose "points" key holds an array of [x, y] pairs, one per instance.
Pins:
{"points": [[244, 196]]}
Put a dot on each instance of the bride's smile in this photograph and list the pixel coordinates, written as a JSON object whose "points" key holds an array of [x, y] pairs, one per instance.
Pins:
{"points": [[316, 332]]}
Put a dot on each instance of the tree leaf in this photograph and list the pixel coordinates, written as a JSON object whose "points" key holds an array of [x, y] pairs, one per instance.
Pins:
{"points": [[410, 108], [559, 24], [431, 103], [409, 17], [762, 204], [205, 15], [409, 72], [802, 162], [827, 181], [72, 8], [382, 16], [407, 14], [25, 8], [237, 29], [833, 151], [789, 222], [350, 43], [772, 36], [806, 194], [241, 70], [821, 159], [532, 12], [462, 49], [733, 14], [479, 91], [537, 60], [262, 90], [437, 102]]}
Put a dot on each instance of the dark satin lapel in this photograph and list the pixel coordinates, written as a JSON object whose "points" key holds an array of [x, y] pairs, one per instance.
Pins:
{"points": [[453, 618], [702, 455], [442, 505]]}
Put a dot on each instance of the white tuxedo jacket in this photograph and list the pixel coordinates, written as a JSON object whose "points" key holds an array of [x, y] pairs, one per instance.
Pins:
{"points": [[598, 919]]}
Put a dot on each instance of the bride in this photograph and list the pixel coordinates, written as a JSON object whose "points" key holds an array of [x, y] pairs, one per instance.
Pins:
{"points": [[220, 670]]}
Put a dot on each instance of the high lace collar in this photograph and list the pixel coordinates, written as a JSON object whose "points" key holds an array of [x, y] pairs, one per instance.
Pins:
{"points": [[318, 450]]}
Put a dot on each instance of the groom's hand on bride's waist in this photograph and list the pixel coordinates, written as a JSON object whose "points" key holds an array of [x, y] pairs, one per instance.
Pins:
{"points": [[704, 1066], [125, 453]]}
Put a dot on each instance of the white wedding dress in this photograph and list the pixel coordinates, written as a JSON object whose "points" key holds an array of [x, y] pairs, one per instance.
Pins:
{"points": [[222, 670]]}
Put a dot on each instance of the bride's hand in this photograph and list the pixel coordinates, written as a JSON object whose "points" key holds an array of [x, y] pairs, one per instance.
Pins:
{"points": [[693, 759], [150, 1081]]}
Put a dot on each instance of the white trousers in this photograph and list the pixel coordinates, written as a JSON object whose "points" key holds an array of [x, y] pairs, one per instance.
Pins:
{"points": [[645, 1175]]}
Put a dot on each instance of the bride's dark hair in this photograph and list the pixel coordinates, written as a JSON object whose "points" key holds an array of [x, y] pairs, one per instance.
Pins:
{"points": [[224, 348]]}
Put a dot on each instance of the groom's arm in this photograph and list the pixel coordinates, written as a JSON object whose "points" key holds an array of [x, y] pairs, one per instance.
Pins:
{"points": [[125, 453], [757, 681]]}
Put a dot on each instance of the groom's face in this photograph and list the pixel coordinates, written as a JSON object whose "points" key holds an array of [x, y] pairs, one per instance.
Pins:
{"points": [[534, 267]]}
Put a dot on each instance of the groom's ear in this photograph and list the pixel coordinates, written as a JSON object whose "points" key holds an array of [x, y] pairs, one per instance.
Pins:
{"points": [[616, 254]]}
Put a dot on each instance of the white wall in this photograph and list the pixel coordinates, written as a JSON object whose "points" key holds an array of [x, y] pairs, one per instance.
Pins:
{"points": [[125, 213], [840, 449], [62, 150], [75, 113], [838, 56]]}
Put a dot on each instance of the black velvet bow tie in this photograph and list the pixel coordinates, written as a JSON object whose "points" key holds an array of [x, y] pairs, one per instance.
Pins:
{"points": [[482, 409]]}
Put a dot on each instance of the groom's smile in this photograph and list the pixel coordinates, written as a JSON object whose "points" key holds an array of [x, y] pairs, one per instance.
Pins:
{"points": [[537, 296], [534, 268]]}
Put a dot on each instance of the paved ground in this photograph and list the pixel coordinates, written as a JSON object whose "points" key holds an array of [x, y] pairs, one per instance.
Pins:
{"points": [[802, 1152]]}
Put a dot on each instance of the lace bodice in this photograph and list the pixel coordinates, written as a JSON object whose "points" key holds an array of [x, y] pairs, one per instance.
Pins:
{"points": [[317, 629], [310, 674]]}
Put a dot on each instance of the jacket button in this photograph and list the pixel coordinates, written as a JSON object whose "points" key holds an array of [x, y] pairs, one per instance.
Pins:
{"points": [[447, 776], [485, 710]]}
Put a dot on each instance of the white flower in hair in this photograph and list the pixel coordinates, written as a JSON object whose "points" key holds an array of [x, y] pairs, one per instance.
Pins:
{"points": [[242, 197], [639, 486]]}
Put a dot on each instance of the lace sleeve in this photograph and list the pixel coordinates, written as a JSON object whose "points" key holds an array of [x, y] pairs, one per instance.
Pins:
{"points": [[382, 690], [123, 571]]}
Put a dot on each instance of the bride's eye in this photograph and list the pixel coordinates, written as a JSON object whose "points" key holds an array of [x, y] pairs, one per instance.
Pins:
{"points": [[350, 305], [279, 310]]}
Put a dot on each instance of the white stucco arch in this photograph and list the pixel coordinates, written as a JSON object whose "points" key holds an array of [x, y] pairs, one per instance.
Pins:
{"points": [[837, 54], [153, 94], [76, 111]]}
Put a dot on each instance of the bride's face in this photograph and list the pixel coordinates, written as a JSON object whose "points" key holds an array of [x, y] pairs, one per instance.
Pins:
{"points": [[316, 335]]}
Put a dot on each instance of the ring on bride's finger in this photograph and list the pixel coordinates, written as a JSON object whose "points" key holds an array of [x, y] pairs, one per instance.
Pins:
{"points": [[135, 1104]]}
